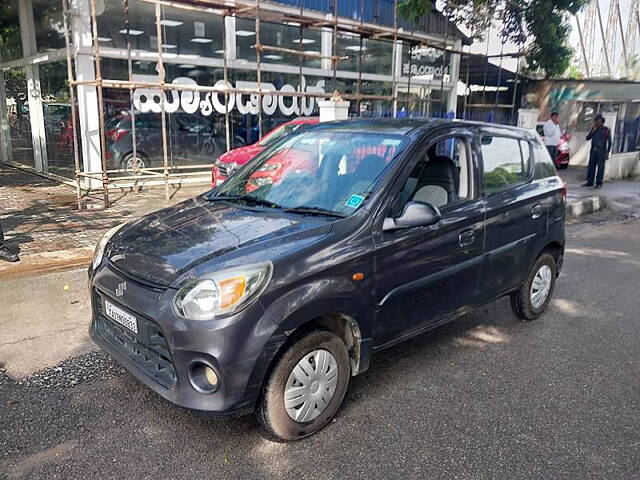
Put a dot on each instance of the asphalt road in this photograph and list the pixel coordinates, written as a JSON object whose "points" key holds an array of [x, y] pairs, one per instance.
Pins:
{"points": [[487, 396]]}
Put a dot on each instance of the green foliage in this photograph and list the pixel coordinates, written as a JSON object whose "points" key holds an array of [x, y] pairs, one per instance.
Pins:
{"points": [[16, 84], [10, 42], [540, 24], [573, 72], [500, 178], [633, 70]]}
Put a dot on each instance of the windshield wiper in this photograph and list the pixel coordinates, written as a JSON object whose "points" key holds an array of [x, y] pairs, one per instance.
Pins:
{"points": [[244, 199], [315, 211]]}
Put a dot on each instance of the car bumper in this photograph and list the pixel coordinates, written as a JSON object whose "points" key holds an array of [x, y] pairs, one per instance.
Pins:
{"points": [[162, 353]]}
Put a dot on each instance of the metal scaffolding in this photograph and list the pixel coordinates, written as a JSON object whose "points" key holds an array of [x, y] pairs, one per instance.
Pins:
{"points": [[169, 173]]}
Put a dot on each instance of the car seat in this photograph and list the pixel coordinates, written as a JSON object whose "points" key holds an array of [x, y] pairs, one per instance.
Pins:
{"points": [[438, 183]]}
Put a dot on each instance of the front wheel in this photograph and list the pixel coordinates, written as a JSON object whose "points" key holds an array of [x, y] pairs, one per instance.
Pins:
{"points": [[531, 300], [306, 387]]}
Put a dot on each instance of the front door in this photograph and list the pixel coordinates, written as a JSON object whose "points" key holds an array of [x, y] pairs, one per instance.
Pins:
{"points": [[425, 274]]}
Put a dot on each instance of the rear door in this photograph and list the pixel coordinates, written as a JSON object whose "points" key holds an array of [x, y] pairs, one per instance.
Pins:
{"points": [[425, 274], [517, 210]]}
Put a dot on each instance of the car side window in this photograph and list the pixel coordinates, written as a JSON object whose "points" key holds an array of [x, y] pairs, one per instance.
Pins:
{"points": [[544, 166], [506, 162], [442, 177]]}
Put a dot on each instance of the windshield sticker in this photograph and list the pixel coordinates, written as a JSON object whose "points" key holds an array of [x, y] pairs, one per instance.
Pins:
{"points": [[354, 201]]}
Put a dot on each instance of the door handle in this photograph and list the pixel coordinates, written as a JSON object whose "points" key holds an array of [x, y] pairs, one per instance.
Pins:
{"points": [[536, 211], [466, 238]]}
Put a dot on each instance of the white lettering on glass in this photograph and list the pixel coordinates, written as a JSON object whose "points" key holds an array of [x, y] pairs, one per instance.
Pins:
{"points": [[149, 100]]}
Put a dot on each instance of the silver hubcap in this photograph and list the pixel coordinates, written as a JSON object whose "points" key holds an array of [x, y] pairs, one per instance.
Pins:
{"points": [[311, 386], [135, 164], [541, 286]]}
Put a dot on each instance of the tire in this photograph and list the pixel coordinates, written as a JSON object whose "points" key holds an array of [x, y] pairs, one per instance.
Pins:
{"points": [[272, 414], [128, 162], [523, 301]]}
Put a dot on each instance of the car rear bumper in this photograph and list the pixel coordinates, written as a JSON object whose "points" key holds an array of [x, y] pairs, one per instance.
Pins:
{"points": [[163, 352]]}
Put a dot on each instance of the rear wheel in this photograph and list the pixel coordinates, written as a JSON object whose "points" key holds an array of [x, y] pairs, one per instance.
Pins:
{"points": [[306, 387], [133, 163], [531, 300]]}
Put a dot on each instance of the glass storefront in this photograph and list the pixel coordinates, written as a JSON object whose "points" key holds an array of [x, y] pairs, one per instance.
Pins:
{"points": [[49, 24], [281, 36], [17, 109], [11, 43], [58, 126], [196, 44]]}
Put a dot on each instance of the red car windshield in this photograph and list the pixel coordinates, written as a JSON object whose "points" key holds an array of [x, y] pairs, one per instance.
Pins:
{"points": [[331, 172]]}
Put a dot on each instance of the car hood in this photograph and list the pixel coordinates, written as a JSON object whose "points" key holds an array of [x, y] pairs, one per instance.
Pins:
{"points": [[241, 155], [197, 236]]}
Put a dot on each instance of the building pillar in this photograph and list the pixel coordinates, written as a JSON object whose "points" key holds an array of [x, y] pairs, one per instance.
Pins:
{"points": [[6, 153], [36, 115], [87, 96], [230, 38], [528, 117], [454, 74], [326, 48], [396, 72]]}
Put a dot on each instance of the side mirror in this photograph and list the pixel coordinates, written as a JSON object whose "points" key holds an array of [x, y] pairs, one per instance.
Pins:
{"points": [[415, 214]]}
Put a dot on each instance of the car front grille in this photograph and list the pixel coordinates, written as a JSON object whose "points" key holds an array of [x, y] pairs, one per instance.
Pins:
{"points": [[148, 349], [222, 168]]}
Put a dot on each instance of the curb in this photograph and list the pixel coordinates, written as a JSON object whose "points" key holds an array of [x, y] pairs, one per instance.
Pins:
{"points": [[585, 206], [46, 262]]}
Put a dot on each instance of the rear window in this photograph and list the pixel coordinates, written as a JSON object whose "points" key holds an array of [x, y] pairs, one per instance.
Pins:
{"points": [[544, 166], [506, 162]]}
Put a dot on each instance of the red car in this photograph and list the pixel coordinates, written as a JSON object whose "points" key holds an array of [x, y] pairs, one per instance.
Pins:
{"points": [[230, 161]]}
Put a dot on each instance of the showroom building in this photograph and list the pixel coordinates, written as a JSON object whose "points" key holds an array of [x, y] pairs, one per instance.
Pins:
{"points": [[183, 81]]}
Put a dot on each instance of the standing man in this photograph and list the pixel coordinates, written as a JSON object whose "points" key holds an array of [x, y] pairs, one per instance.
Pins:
{"points": [[5, 254], [600, 137], [552, 134]]}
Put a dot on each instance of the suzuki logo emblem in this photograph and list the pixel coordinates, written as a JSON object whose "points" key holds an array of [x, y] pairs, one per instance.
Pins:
{"points": [[121, 288]]}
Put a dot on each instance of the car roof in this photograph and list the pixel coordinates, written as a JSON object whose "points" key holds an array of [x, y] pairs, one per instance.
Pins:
{"points": [[301, 120], [414, 126]]}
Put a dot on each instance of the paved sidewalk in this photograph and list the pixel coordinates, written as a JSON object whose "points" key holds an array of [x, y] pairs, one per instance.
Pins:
{"points": [[618, 194], [42, 218]]}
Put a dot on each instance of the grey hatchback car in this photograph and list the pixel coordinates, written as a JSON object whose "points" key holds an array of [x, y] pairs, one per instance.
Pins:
{"points": [[267, 293]]}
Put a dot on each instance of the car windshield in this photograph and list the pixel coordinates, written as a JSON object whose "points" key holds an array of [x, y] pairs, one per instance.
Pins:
{"points": [[277, 134], [323, 172]]}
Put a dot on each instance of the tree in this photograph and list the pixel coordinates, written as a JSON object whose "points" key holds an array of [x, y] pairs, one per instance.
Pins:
{"points": [[633, 70], [10, 42], [573, 72], [540, 24]]}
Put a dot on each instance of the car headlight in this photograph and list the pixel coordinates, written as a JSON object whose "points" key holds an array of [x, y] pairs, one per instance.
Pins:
{"points": [[261, 181], [102, 244], [223, 292], [232, 167]]}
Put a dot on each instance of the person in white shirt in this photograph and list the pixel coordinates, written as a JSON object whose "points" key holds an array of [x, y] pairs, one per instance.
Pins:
{"points": [[552, 134]]}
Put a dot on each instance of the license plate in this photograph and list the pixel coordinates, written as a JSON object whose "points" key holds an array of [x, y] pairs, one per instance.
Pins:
{"points": [[119, 315]]}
